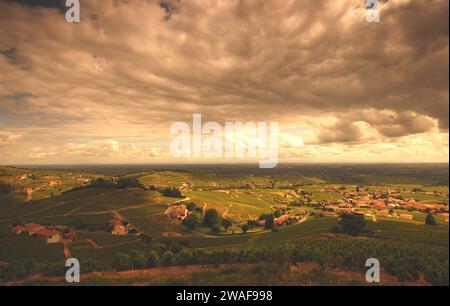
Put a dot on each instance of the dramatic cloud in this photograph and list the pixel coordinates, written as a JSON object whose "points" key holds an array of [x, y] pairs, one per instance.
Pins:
{"points": [[7, 138], [109, 87]]}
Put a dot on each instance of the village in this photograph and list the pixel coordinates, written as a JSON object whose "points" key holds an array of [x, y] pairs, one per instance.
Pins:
{"points": [[372, 204], [299, 204]]}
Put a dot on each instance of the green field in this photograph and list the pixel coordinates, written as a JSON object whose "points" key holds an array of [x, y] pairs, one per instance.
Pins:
{"points": [[410, 232], [236, 196], [21, 248]]}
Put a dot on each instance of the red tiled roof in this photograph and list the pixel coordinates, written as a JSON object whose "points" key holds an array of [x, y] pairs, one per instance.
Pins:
{"points": [[32, 227], [45, 232], [17, 229], [119, 228], [115, 222]]}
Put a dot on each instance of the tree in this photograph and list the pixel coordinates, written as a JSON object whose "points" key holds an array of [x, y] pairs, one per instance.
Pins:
{"points": [[191, 206], [172, 192], [430, 219], [14, 269], [185, 257], [351, 224], [147, 238], [226, 224], [101, 183], [191, 222], [215, 229], [167, 259], [137, 259], [211, 218], [152, 260], [277, 213], [268, 224], [122, 262], [30, 266], [245, 228], [128, 182]]}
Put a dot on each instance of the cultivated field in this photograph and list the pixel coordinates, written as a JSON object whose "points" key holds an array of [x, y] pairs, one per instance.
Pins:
{"points": [[66, 198]]}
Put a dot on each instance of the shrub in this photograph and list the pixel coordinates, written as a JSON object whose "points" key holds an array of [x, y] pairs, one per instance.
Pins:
{"points": [[152, 260], [122, 262], [211, 218], [351, 224], [167, 259], [226, 224], [430, 219], [191, 222]]}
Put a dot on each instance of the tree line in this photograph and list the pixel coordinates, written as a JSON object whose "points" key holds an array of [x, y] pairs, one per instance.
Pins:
{"points": [[405, 261]]}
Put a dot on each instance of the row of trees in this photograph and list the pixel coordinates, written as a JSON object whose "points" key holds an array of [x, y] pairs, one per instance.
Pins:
{"points": [[120, 183], [405, 261], [172, 192], [21, 269]]}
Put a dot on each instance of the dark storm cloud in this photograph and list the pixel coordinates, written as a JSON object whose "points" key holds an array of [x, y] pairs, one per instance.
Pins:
{"points": [[10, 54], [170, 7], [136, 65], [340, 132], [59, 4]]}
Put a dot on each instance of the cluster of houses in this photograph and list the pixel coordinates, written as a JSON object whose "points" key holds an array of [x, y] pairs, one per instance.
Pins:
{"points": [[24, 177], [82, 181], [179, 212], [51, 234], [378, 204], [286, 219], [51, 182]]}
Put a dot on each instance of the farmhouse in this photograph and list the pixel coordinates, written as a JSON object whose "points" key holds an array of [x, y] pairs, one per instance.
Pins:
{"points": [[345, 210], [327, 214], [69, 235], [179, 212], [115, 222], [382, 213], [119, 230], [301, 212], [406, 216], [32, 228], [53, 182], [281, 220], [118, 227], [379, 206], [50, 236], [18, 229]]}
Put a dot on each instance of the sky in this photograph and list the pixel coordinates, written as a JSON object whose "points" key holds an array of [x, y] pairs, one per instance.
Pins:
{"points": [[108, 89]]}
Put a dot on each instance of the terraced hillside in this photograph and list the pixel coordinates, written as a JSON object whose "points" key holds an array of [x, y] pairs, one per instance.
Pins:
{"points": [[73, 201]]}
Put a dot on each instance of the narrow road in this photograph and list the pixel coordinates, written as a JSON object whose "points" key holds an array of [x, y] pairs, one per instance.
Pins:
{"points": [[227, 210], [67, 252]]}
